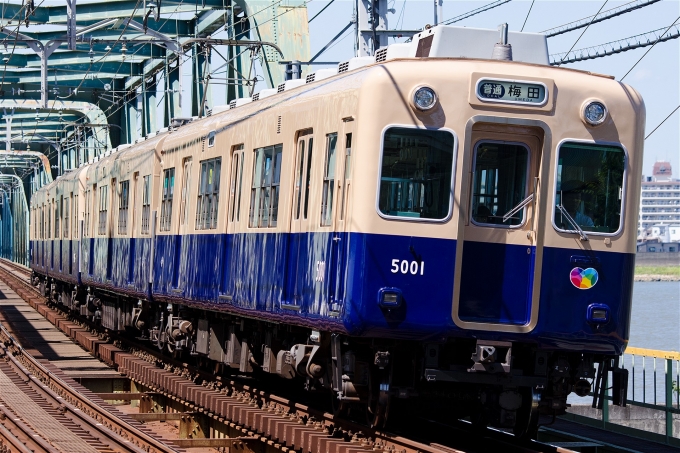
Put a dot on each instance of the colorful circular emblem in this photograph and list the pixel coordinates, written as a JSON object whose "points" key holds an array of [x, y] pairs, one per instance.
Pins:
{"points": [[583, 278]]}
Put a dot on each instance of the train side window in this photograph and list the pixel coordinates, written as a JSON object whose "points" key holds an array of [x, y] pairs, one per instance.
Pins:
{"points": [[328, 180], [123, 207], [348, 166], [236, 183], [308, 179], [211, 139], [103, 208], [146, 203], [264, 197], [208, 194], [65, 204], [499, 183], [416, 173], [57, 216], [166, 200], [49, 221], [589, 187]]}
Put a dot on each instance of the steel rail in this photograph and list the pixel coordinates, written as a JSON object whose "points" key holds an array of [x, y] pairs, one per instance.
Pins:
{"points": [[248, 405], [116, 430]]}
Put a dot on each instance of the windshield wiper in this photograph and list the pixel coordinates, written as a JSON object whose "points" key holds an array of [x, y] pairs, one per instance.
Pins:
{"points": [[521, 205], [571, 220]]}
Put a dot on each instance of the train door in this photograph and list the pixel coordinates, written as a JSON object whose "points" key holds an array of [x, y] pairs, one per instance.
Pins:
{"points": [[299, 244], [131, 230], [340, 236], [495, 275], [181, 246], [233, 250]]}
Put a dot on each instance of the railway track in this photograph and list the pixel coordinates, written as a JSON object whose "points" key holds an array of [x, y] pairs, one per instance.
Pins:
{"points": [[260, 421]]}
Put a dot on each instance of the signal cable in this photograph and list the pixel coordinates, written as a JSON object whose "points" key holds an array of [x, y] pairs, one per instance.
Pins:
{"points": [[525, 20], [671, 114], [645, 54]]}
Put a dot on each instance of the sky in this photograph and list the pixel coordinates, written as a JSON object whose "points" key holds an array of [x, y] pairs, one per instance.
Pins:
{"points": [[656, 77]]}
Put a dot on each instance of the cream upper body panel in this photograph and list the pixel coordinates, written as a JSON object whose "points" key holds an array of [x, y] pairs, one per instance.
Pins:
{"points": [[384, 101]]}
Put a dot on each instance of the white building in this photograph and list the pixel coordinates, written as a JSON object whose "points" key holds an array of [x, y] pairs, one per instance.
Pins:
{"points": [[660, 205]]}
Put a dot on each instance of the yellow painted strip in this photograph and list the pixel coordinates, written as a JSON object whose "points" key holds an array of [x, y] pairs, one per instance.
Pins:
{"points": [[653, 353]]}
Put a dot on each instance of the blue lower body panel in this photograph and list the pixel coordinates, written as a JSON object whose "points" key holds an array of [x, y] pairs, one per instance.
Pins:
{"points": [[496, 283], [332, 281]]}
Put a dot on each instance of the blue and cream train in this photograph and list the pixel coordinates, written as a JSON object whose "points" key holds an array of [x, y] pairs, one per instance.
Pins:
{"points": [[430, 221]]}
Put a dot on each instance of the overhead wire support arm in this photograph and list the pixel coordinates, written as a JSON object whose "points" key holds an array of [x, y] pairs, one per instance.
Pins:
{"points": [[608, 14], [229, 42], [614, 47]]}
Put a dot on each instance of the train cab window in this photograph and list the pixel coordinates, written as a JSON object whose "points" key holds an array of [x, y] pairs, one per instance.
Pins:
{"points": [[103, 208], [146, 203], [236, 183], [499, 183], [208, 194], [123, 206], [166, 200], [416, 173], [328, 180], [589, 187], [264, 196]]}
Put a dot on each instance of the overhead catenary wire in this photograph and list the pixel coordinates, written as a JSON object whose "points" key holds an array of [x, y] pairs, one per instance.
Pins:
{"points": [[622, 45], [607, 14], [475, 11], [584, 30]]}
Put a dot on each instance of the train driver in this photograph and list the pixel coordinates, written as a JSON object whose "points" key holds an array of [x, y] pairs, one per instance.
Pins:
{"points": [[571, 199]]}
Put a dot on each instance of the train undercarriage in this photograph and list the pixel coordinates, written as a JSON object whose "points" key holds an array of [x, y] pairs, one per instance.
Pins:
{"points": [[373, 381]]}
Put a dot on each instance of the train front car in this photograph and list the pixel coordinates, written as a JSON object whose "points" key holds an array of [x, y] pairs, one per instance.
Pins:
{"points": [[497, 228]]}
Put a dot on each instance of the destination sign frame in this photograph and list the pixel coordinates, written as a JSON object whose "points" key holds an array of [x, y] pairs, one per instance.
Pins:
{"points": [[508, 88]]}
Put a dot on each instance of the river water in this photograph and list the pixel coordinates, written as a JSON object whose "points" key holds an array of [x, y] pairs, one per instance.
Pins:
{"points": [[655, 321]]}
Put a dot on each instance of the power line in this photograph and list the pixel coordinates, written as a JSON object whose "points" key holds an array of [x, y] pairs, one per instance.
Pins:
{"points": [[527, 18], [614, 47], [648, 50], [584, 30], [671, 114], [608, 14], [476, 11]]}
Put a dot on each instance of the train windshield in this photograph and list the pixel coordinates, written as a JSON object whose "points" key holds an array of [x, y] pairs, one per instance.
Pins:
{"points": [[589, 187], [500, 183], [415, 178]]}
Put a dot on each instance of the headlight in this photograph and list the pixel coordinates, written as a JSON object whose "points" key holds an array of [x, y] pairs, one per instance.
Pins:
{"points": [[594, 113], [424, 98]]}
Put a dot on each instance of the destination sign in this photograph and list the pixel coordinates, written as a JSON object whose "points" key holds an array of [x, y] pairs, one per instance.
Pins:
{"points": [[512, 92]]}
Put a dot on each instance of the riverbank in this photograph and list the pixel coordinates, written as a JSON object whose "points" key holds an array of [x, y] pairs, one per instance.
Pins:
{"points": [[657, 273]]}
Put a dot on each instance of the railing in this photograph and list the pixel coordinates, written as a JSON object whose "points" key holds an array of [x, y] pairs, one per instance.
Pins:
{"points": [[643, 366], [653, 383]]}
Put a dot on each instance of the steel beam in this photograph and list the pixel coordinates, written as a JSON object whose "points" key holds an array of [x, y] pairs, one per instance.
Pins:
{"points": [[149, 106], [173, 95]]}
